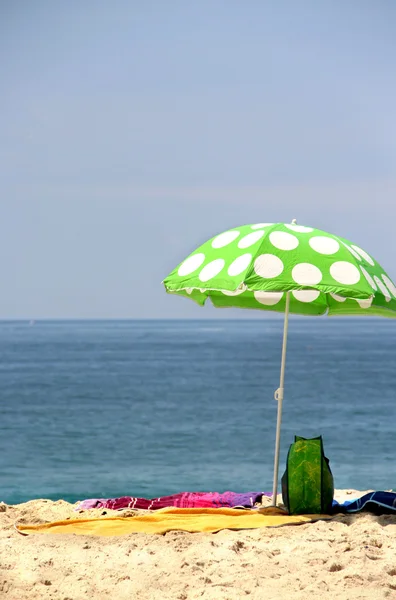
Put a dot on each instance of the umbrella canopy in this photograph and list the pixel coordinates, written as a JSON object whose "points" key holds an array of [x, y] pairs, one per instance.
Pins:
{"points": [[286, 268], [253, 266]]}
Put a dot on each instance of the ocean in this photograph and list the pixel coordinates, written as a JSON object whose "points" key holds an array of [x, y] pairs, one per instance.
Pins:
{"points": [[150, 408]]}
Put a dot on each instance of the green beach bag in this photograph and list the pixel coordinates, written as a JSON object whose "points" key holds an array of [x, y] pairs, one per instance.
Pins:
{"points": [[307, 483]]}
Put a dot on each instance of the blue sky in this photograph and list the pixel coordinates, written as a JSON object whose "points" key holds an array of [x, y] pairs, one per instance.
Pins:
{"points": [[132, 132]]}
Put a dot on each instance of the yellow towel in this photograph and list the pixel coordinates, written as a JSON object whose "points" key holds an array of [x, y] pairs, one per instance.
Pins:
{"points": [[161, 521]]}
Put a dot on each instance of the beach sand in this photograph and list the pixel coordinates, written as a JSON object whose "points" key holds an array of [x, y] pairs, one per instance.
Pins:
{"points": [[348, 558]]}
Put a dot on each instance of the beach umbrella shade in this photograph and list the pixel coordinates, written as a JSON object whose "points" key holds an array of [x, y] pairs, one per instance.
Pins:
{"points": [[286, 268]]}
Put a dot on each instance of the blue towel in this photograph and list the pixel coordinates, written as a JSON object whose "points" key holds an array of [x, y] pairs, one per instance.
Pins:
{"points": [[375, 502]]}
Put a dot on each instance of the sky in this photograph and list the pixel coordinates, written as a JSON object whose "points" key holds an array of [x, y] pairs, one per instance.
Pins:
{"points": [[131, 132]]}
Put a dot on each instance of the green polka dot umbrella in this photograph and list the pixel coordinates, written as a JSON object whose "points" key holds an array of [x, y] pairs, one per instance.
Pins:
{"points": [[286, 268]]}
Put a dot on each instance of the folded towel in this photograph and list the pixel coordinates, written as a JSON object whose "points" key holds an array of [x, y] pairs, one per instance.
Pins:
{"points": [[376, 502]]}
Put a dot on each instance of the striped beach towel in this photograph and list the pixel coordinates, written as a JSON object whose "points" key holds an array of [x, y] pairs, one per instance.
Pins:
{"points": [[181, 500]]}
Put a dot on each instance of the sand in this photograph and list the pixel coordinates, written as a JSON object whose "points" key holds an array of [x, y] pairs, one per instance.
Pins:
{"points": [[349, 558]]}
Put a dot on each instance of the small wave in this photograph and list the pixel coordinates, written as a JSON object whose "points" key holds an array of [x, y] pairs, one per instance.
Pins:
{"points": [[189, 330]]}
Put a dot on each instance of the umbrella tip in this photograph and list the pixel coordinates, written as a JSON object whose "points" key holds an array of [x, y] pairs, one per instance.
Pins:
{"points": [[294, 222]]}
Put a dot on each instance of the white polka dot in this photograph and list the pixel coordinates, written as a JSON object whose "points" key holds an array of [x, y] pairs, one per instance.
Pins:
{"points": [[355, 254], [389, 284], [337, 297], [268, 266], [268, 298], [383, 288], [191, 264], [224, 239], [306, 295], [250, 239], [324, 245], [261, 225], [233, 292], [298, 228], [364, 303], [306, 274], [369, 279], [239, 265], [363, 254], [211, 269], [345, 272], [283, 240]]}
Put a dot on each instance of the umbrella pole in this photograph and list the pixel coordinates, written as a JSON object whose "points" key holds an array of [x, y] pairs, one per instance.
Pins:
{"points": [[279, 398]]}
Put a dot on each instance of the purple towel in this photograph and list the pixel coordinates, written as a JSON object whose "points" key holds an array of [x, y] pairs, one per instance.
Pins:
{"points": [[181, 500]]}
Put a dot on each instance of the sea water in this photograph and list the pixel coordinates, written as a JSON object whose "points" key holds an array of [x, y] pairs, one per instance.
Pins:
{"points": [[149, 408]]}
